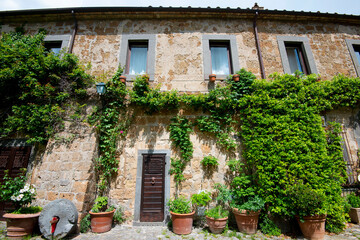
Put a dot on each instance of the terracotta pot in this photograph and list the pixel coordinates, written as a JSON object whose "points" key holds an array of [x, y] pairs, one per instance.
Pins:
{"points": [[355, 215], [313, 227], [102, 221], [20, 225], [123, 79], [212, 77], [236, 77], [182, 223], [216, 225], [246, 221]]}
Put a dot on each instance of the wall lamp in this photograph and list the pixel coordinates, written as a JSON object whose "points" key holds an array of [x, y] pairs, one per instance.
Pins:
{"points": [[100, 88]]}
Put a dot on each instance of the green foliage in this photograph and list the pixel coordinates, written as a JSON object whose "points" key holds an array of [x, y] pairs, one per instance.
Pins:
{"points": [[243, 87], [353, 200], [306, 201], [180, 129], [85, 224], [17, 190], [179, 205], [27, 210], [118, 216], [224, 195], [201, 199], [217, 212], [36, 87], [209, 162], [268, 227]]}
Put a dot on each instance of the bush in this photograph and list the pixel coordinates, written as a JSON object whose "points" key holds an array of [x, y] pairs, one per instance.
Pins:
{"points": [[268, 227], [85, 224], [201, 199], [353, 200], [179, 205]]}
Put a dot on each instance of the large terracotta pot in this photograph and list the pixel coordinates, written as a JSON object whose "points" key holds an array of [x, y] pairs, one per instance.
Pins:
{"points": [[102, 221], [182, 223], [246, 221], [355, 215], [313, 227], [216, 225], [20, 225]]}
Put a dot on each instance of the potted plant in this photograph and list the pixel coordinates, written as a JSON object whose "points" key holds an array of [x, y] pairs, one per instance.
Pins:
{"points": [[123, 78], [217, 217], [236, 77], [181, 215], [246, 204], [354, 212], [101, 215], [212, 77], [21, 221], [309, 207], [200, 201]]}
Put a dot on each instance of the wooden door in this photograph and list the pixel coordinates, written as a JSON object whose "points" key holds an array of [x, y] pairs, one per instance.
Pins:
{"points": [[153, 185], [12, 159]]}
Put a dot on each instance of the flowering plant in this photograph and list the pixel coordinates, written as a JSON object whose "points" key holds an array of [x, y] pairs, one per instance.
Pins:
{"points": [[16, 190]]}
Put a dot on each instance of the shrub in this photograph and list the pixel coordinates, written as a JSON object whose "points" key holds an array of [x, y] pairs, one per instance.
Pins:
{"points": [[268, 227], [353, 200], [201, 199], [179, 205]]}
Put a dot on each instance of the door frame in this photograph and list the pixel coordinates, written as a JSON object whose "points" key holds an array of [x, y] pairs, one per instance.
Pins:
{"points": [[138, 188]]}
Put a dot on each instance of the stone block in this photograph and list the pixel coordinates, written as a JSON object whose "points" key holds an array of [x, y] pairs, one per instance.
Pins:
{"points": [[51, 196], [80, 187], [68, 196]]}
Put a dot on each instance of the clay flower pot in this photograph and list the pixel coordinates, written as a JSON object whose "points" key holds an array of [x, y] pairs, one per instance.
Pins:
{"points": [[246, 221], [20, 225], [123, 79], [182, 223], [313, 227], [236, 77], [355, 215], [102, 221], [216, 225], [212, 77]]}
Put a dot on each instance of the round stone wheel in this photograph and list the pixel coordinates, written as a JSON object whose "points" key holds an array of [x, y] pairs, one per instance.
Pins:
{"points": [[67, 213]]}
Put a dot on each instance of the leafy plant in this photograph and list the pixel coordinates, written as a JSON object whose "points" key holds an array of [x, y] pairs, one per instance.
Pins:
{"points": [[118, 216], [217, 212], [201, 199], [16, 190], [85, 224], [101, 205], [209, 162], [179, 205], [306, 201], [353, 200], [268, 227]]}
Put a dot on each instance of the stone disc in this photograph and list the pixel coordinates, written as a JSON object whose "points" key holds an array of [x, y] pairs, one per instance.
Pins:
{"points": [[67, 213]]}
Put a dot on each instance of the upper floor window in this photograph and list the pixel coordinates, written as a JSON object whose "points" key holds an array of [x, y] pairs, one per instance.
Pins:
{"points": [[220, 58], [55, 43], [137, 54], [220, 55], [296, 54], [137, 58], [354, 49]]}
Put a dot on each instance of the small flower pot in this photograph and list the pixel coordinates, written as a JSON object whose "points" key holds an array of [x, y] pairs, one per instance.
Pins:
{"points": [[20, 225], [102, 221], [313, 227], [246, 221], [123, 79], [216, 225], [355, 215], [236, 77], [212, 77], [182, 223]]}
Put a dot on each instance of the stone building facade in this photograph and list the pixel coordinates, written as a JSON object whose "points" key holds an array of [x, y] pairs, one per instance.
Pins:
{"points": [[178, 42]]}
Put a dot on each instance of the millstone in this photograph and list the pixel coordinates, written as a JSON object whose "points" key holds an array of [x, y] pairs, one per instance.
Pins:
{"points": [[67, 213]]}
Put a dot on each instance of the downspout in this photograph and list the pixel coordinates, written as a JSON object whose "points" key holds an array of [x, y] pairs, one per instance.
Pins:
{"points": [[73, 33], [263, 76]]}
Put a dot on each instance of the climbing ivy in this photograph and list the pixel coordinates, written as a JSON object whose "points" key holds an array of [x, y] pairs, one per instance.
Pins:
{"points": [[37, 87]]}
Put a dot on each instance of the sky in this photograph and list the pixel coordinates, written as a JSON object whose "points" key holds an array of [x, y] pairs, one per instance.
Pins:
{"points": [[330, 6]]}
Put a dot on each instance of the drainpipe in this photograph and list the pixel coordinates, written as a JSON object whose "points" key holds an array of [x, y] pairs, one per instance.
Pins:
{"points": [[263, 76], [74, 32]]}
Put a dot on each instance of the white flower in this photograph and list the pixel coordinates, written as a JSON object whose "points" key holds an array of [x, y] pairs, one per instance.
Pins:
{"points": [[27, 187], [22, 190], [32, 191], [18, 198], [13, 198]]}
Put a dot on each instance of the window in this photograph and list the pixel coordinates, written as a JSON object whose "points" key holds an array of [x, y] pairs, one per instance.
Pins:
{"points": [[296, 54], [137, 55], [55, 43], [53, 46], [354, 49], [137, 58], [220, 58], [220, 55]]}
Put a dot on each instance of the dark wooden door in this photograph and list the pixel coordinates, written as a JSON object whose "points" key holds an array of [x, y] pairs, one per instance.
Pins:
{"points": [[12, 159], [153, 185]]}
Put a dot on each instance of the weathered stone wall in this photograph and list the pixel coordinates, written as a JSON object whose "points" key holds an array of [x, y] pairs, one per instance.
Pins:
{"points": [[66, 168]]}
